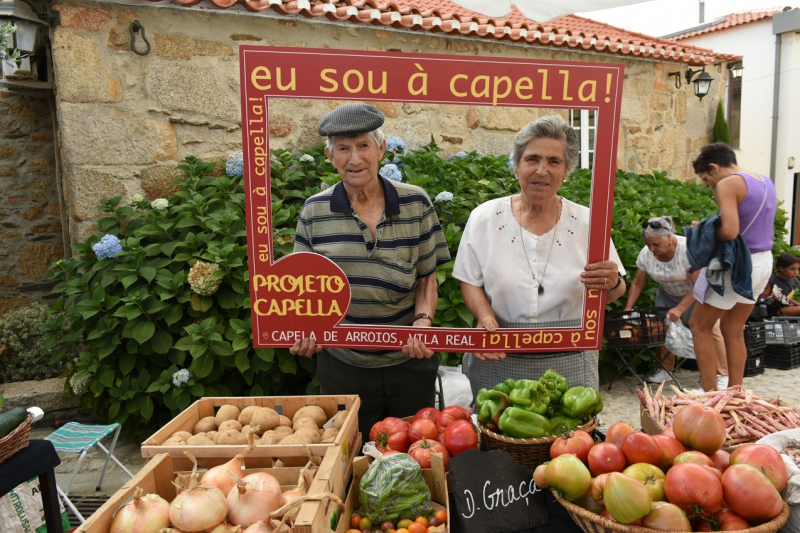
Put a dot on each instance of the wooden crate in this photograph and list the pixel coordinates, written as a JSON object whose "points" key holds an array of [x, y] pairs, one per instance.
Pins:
{"points": [[157, 476], [261, 457]]}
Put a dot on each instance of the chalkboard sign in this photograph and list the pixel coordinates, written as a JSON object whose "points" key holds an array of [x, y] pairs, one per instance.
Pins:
{"points": [[495, 494]]}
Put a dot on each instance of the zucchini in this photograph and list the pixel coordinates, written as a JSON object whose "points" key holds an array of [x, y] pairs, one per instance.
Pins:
{"points": [[11, 419]]}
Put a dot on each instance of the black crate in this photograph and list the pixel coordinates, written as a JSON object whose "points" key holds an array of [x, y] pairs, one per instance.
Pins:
{"points": [[755, 365], [755, 336], [782, 356], [643, 326]]}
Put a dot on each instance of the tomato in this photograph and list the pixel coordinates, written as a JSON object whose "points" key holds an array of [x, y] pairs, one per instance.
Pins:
{"points": [[460, 436], [416, 527], [604, 458], [597, 488], [440, 438], [751, 494], [762, 456], [569, 476], [617, 432], [441, 515], [421, 452], [402, 530], [423, 428], [694, 457], [668, 433], [353, 531], [430, 413], [422, 520], [626, 499], [386, 526], [365, 523], [386, 452], [434, 522], [694, 489], [590, 504], [390, 433], [700, 428], [665, 516], [403, 524], [670, 449], [724, 520], [651, 477], [450, 415], [355, 520], [605, 514], [578, 443], [641, 448], [714, 471], [538, 476], [721, 460]]}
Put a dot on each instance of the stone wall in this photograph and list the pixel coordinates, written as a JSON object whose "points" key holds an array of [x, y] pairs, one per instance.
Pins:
{"points": [[31, 236], [126, 120]]}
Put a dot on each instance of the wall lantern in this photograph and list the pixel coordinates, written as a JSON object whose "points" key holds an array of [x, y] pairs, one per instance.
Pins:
{"points": [[736, 69], [34, 69], [702, 84]]}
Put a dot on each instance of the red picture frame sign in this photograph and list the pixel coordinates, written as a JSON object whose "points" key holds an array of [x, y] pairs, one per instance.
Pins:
{"points": [[307, 295]]}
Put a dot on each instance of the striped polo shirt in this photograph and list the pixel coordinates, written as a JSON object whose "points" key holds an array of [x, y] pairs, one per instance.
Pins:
{"points": [[383, 275]]}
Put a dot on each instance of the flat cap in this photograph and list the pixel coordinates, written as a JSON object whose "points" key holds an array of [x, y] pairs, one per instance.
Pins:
{"points": [[350, 119]]}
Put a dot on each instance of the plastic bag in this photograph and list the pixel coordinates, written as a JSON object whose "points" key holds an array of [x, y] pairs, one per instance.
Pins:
{"points": [[791, 494], [456, 387], [679, 340], [393, 488]]}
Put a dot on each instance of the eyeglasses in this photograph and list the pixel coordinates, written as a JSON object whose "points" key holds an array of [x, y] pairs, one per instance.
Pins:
{"points": [[655, 225]]}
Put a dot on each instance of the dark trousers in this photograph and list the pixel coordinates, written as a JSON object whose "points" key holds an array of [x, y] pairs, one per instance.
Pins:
{"points": [[399, 390]]}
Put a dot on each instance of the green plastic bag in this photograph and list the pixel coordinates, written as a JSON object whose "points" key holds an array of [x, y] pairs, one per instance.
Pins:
{"points": [[393, 489]]}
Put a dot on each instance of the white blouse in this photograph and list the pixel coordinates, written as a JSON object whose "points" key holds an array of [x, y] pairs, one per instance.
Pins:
{"points": [[491, 256], [672, 275]]}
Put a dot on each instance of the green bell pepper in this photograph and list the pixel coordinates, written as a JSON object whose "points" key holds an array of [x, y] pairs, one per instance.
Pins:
{"points": [[491, 404], [516, 422], [505, 387], [554, 410], [581, 402], [555, 383], [563, 424], [530, 395]]}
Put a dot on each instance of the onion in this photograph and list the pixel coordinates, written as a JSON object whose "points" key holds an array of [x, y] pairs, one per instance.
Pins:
{"points": [[259, 527], [247, 504], [145, 514], [198, 507], [297, 492], [225, 528], [218, 477]]}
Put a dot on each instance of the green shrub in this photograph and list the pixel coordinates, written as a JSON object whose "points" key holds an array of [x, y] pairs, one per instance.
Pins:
{"points": [[721, 133], [25, 356]]}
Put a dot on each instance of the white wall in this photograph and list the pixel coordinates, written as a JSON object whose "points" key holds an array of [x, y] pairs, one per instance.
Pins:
{"points": [[788, 120]]}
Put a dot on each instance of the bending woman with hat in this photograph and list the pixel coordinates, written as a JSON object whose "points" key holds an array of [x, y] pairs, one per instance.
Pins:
{"points": [[522, 261]]}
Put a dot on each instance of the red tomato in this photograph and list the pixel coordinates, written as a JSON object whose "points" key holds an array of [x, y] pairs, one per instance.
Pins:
{"points": [[431, 413], [626, 499], [440, 438], [641, 448], [714, 471], [721, 460], [617, 433], [460, 436], [605, 514], [390, 434], [694, 457], [670, 449], [724, 520], [423, 428], [700, 428], [450, 415], [762, 456], [651, 477], [604, 458], [694, 489], [538, 477], [751, 494], [597, 487], [668, 433], [578, 443], [421, 452], [665, 516]]}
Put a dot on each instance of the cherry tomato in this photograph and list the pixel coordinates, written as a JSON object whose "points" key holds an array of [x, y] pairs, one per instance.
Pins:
{"points": [[441, 515], [386, 526], [365, 523], [431, 528], [416, 527], [355, 520], [353, 531], [403, 524], [422, 520], [435, 522], [401, 530]]}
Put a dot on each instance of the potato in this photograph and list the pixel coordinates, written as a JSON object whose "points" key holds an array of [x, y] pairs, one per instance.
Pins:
{"points": [[231, 437], [213, 435], [205, 425], [200, 440], [265, 418], [313, 434], [183, 435], [285, 421], [230, 424], [247, 414], [283, 431], [314, 411], [304, 422], [328, 440], [246, 430], [340, 417], [226, 412], [297, 438], [270, 437], [321, 432], [330, 433], [174, 441]]}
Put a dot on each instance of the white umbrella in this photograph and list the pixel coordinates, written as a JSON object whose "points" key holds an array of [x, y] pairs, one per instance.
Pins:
{"points": [[540, 10]]}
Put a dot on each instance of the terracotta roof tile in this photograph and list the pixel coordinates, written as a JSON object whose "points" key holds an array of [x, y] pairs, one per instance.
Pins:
{"points": [[732, 20]]}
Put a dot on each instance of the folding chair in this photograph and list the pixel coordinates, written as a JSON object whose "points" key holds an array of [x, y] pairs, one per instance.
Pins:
{"points": [[80, 438]]}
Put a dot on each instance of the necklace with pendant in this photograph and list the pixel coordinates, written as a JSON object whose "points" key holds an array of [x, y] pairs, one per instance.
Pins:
{"points": [[525, 249]]}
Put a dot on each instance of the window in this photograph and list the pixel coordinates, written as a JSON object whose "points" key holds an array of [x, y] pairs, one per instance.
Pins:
{"points": [[584, 122], [734, 108]]}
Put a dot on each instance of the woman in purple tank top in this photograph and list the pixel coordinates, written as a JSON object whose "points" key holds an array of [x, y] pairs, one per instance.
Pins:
{"points": [[747, 204]]}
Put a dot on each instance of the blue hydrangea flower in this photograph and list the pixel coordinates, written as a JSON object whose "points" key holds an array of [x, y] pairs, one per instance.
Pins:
{"points": [[510, 164], [444, 196], [181, 377], [395, 143], [398, 163], [107, 247], [461, 155], [323, 186], [391, 172], [234, 167], [307, 158]]}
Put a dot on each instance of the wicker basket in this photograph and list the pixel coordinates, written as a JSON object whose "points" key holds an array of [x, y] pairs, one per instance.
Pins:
{"points": [[594, 523], [16, 440], [530, 453]]}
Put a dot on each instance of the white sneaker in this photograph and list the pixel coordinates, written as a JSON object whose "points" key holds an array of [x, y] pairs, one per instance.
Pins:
{"points": [[658, 376], [722, 382]]}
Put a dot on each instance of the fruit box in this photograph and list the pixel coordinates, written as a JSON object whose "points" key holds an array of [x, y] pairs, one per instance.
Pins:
{"points": [[434, 477], [158, 474], [262, 456]]}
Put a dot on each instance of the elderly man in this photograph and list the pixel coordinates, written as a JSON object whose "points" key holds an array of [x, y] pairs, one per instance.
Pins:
{"points": [[386, 237]]}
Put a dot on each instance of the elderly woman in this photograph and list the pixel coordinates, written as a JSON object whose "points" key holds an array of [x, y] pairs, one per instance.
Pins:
{"points": [[522, 261], [664, 260]]}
